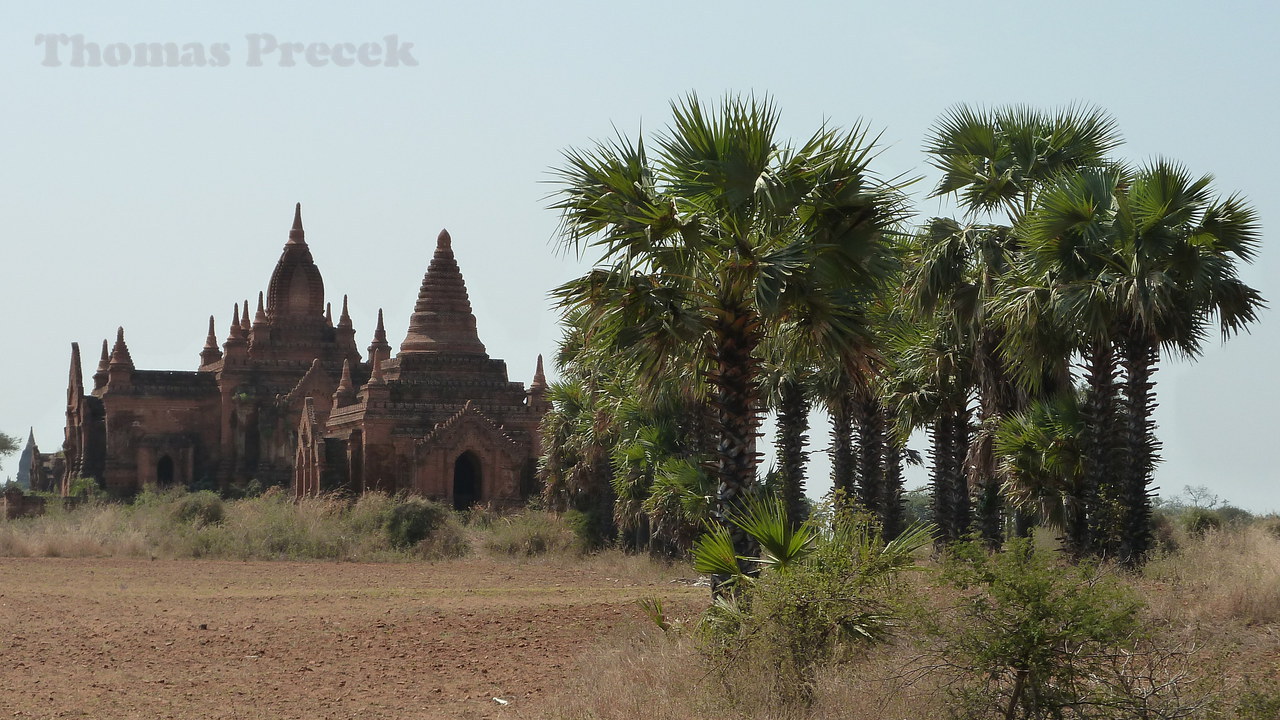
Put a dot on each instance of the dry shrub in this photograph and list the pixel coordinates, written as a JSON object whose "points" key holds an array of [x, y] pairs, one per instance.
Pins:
{"points": [[664, 676], [1221, 575], [529, 533], [634, 568], [649, 675], [174, 524]]}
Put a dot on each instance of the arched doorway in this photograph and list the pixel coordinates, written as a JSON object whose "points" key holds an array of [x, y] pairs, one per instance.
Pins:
{"points": [[164, 471], [466, 481]]}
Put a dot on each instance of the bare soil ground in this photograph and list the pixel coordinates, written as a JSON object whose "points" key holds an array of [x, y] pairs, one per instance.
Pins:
{"points": [[122, 638]]}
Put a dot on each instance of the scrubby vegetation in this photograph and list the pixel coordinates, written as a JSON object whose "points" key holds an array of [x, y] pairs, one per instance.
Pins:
{"points": [[972, 633], [374, 527]]}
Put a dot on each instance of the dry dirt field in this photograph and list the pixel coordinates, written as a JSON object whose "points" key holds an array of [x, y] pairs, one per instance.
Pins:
{"points": [[123, 638]]}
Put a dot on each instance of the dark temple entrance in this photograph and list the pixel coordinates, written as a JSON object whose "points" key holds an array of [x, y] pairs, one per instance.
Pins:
{"points": [[466, 481], [164, 471]]}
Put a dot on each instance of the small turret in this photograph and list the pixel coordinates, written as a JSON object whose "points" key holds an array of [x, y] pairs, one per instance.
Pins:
{"points": [[328, 314], [120, 356], [380, 344], [75, 379], [260, 316], [104, 364], [236, 331], [209, 355], [346, 392], [236, 347], [345, 335], [260, 332], [245, 325], [345, 320], [537, 392], [375, 391], [120, 367]]}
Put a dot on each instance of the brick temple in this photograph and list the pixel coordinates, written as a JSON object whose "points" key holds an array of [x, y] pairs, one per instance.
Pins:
{"points": [[287, 399]]}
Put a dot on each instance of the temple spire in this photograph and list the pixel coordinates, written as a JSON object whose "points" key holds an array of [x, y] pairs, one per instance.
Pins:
{"points": [[344, 321], [376, 392], [296, 235], [120, 356], [236, 332], [234, 348], [244, 318], [75, 378], [346, 392], [442, 321], [104, 366], [261, 315], [539, 377], [211, 352], [376, 377], [380, 344], [328, 314], [296, 289]]}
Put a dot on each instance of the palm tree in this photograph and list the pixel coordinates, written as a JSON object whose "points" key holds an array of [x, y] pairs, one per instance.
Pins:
{"points": [[1177, 249], [1126, 263], [928, 384], [996, 162], [724, 233], [1062, 300]]}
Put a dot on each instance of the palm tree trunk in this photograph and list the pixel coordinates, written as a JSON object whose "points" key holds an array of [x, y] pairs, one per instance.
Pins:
{"points": [[950, 435], [1139, 358], [940, 442], [793, 424], [843, 460], [997, 398], [891, 512], [870, 452], [1086, 513], [962, 509], [737, 334]]}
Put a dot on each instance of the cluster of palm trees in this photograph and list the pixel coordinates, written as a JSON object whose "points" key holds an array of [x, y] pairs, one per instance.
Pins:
{"points": [[740, 274]]}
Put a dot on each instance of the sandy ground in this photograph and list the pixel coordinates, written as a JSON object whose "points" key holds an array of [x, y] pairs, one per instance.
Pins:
{"points": [[112, 638]]}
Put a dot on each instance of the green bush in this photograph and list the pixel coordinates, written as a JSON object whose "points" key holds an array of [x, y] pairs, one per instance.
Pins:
{"points": [[1198, 521], [1031, 637], [200, 508], [412, 520], [529, 533], [825, 588], [591, 530], [84, 487]]}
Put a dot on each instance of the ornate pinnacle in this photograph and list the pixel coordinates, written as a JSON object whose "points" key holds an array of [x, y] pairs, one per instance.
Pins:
{"points": [[120, 356], [296, 235]]}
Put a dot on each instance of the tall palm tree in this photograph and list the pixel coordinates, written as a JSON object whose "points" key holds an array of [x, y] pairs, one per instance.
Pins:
{"points": [[1177, 252], [929, 384], [996, 163], [1061, 301], [724, 232], [1129, 262]]}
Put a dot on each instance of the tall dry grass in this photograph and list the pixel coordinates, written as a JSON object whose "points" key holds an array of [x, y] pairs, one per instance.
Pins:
{"points": [[1229, 574], [199, 525], [1213, 608], [663, 676]]}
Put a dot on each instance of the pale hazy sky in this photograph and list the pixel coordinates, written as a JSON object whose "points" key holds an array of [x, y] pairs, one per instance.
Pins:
{"points": [[151, 197]]}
